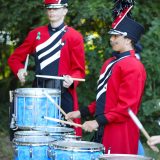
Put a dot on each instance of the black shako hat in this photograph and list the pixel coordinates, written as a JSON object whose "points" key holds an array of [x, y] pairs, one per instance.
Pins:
{"points": [[126, 26]]}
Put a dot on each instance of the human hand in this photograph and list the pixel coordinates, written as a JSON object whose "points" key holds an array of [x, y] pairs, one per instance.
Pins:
{"points": [[90, 126], [73, 115], [21, 75], [153, 141], [67, 81]]}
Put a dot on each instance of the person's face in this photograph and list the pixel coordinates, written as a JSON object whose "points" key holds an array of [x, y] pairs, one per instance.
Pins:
{"points": [[119, 43], [56, 14]]}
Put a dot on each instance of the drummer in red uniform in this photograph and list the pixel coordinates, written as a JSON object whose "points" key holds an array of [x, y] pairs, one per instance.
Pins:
{"points": [[120, 87], [58, 51]]}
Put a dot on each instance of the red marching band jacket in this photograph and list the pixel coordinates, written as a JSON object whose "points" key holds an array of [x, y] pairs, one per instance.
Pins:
{"points": [[72, 56], [124, 90]]}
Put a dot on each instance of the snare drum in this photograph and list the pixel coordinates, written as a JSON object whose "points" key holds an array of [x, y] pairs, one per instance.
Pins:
{"points": [[76, 150], [31, 104], [19, 134], [123, 157], [33, 147], [56, 132]]}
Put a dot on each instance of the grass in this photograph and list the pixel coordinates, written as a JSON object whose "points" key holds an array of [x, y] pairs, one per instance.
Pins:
{"points": [[150, 153], [6, 150]]}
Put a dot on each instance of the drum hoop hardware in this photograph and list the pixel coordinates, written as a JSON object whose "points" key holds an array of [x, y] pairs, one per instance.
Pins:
{"points": [[30, 151], [39, 92], [11, 96], [71, 157], [13, 123], [48, 141], [34, 145], [55, 130], [57, 145], [29, 133], [50, 153], [15, 148]]}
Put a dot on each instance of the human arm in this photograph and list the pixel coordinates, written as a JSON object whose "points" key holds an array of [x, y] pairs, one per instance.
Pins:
{"points": [[18, 57], [75, 56], [73, 115], [68, 81], [91, 125], [22, 73], [88, 126], [83, 112], [124, 90], [153, 141]]}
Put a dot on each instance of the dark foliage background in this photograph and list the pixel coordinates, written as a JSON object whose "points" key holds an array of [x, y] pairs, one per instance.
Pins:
{"points": [[92, 19]]}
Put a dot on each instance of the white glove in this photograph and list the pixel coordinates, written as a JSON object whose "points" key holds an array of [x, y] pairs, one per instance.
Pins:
{"points": [[67, 81], [21, 75]]}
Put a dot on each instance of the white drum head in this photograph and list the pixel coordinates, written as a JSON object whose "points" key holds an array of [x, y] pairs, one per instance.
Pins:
{"points": [[36, 91], [55, 130], [123, 157], [80, 146]]}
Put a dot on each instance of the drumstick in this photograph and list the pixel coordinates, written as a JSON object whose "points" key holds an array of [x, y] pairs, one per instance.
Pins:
{"points": [[26, 63], [140, 126], [61, 121], [25, 67], [60, 78], [52, 100]]}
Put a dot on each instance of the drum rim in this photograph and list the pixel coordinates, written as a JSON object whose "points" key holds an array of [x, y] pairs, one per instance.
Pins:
{"points": [[26, 133], [53, 132], [56, 145], [123, 155], [72, 136], [32, 91], [49, 141]]}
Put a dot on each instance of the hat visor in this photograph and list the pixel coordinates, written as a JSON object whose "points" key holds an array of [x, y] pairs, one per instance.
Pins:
{"points": [[113, 32], [116, 32], [52, 6]]}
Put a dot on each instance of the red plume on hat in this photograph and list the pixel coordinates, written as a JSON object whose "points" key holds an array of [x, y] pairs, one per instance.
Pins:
{"points": [[121, 9], [123, 23], [120, 6]]}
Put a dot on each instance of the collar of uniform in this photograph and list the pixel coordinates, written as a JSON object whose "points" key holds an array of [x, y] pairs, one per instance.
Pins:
{"points": [[55, 29], [120, 55]]}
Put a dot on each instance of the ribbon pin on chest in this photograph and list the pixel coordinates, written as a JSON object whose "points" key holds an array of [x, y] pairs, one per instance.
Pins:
{"points": [[38, 36]]}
